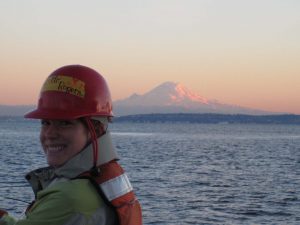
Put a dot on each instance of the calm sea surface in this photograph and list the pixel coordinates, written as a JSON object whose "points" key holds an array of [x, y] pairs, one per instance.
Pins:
{"points": [[182, 173]]}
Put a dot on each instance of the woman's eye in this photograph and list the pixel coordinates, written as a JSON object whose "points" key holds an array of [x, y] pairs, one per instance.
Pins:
{"points": [[45, 122], [60, 124]]}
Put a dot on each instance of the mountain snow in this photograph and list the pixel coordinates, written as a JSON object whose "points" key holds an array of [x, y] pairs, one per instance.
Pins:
{"points": [[166, 94]]}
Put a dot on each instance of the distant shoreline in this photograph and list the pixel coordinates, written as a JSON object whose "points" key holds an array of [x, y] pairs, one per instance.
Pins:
{"points": [[211, 118], [201, 118]]}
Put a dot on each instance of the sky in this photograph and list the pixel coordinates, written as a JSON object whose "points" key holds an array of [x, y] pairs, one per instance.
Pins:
{"points": [[238, 52]]}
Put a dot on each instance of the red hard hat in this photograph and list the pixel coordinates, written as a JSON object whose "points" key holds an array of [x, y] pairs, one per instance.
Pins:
{"points": [[71, 92]]}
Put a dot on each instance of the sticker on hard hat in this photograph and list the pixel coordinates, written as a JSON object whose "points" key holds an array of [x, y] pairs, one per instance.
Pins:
{"points": [[66, 84]]}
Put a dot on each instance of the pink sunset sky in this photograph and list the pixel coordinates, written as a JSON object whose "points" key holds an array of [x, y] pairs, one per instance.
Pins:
{"points": [[244, 53]]}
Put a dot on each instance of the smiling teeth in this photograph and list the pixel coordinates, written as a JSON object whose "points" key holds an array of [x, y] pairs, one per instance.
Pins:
{"points": [[55, 148]]}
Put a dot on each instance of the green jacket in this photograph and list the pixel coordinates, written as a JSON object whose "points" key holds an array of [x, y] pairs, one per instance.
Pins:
{"points": [[62, 200]]}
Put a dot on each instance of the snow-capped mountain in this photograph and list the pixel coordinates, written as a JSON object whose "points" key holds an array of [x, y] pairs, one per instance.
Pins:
{"points": [[171, 97]]}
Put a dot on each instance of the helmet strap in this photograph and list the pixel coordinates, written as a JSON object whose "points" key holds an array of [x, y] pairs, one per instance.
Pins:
{"points": [[94, 143]]}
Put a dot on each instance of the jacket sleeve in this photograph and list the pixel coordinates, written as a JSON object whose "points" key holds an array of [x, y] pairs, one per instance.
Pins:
{"points": [[72, 203], [54, 208]]}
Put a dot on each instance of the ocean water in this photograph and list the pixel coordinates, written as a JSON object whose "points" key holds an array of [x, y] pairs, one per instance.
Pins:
{"points": [[182, 173]]}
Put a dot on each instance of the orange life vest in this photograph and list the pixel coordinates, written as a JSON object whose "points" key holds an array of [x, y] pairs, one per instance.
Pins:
{"points": [[114, 186]]}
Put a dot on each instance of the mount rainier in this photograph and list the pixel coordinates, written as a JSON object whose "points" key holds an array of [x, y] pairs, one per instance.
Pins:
{"points": [[170, 97]]}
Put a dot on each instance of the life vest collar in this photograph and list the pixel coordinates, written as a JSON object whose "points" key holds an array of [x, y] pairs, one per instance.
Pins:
{"points": [[84, 160], [42, 177]]}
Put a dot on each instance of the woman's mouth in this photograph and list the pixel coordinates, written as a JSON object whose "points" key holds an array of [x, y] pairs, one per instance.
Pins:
{"points": [[54, 148]]}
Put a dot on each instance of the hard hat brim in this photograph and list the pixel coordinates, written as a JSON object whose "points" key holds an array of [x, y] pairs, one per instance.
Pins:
{"points": [[62, 115]]}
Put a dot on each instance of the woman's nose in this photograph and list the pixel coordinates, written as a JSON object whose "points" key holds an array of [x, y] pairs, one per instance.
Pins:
{"points": [[50, 131]]}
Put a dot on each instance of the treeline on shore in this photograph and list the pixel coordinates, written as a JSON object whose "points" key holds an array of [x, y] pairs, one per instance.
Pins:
{"points": [[211, 118]]}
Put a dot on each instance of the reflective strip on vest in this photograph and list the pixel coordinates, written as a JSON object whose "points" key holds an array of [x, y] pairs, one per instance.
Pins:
{"points": [[116, 187]]}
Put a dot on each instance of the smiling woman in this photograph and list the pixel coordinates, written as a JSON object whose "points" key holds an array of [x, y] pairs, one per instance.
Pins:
{"points": [[62, 139], [84, 184]]}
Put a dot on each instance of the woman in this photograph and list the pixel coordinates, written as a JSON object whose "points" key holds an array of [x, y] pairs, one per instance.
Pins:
{"points": [[83, 184]]}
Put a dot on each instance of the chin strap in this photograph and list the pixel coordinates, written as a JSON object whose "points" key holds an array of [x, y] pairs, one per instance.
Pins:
{"points": [[93, 133]]}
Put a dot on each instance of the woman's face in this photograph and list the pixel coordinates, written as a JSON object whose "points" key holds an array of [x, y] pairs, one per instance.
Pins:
{"points": [[62, 139]]}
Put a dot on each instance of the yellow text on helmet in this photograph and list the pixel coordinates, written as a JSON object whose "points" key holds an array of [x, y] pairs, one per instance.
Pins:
{"points": [[66, 84]]}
